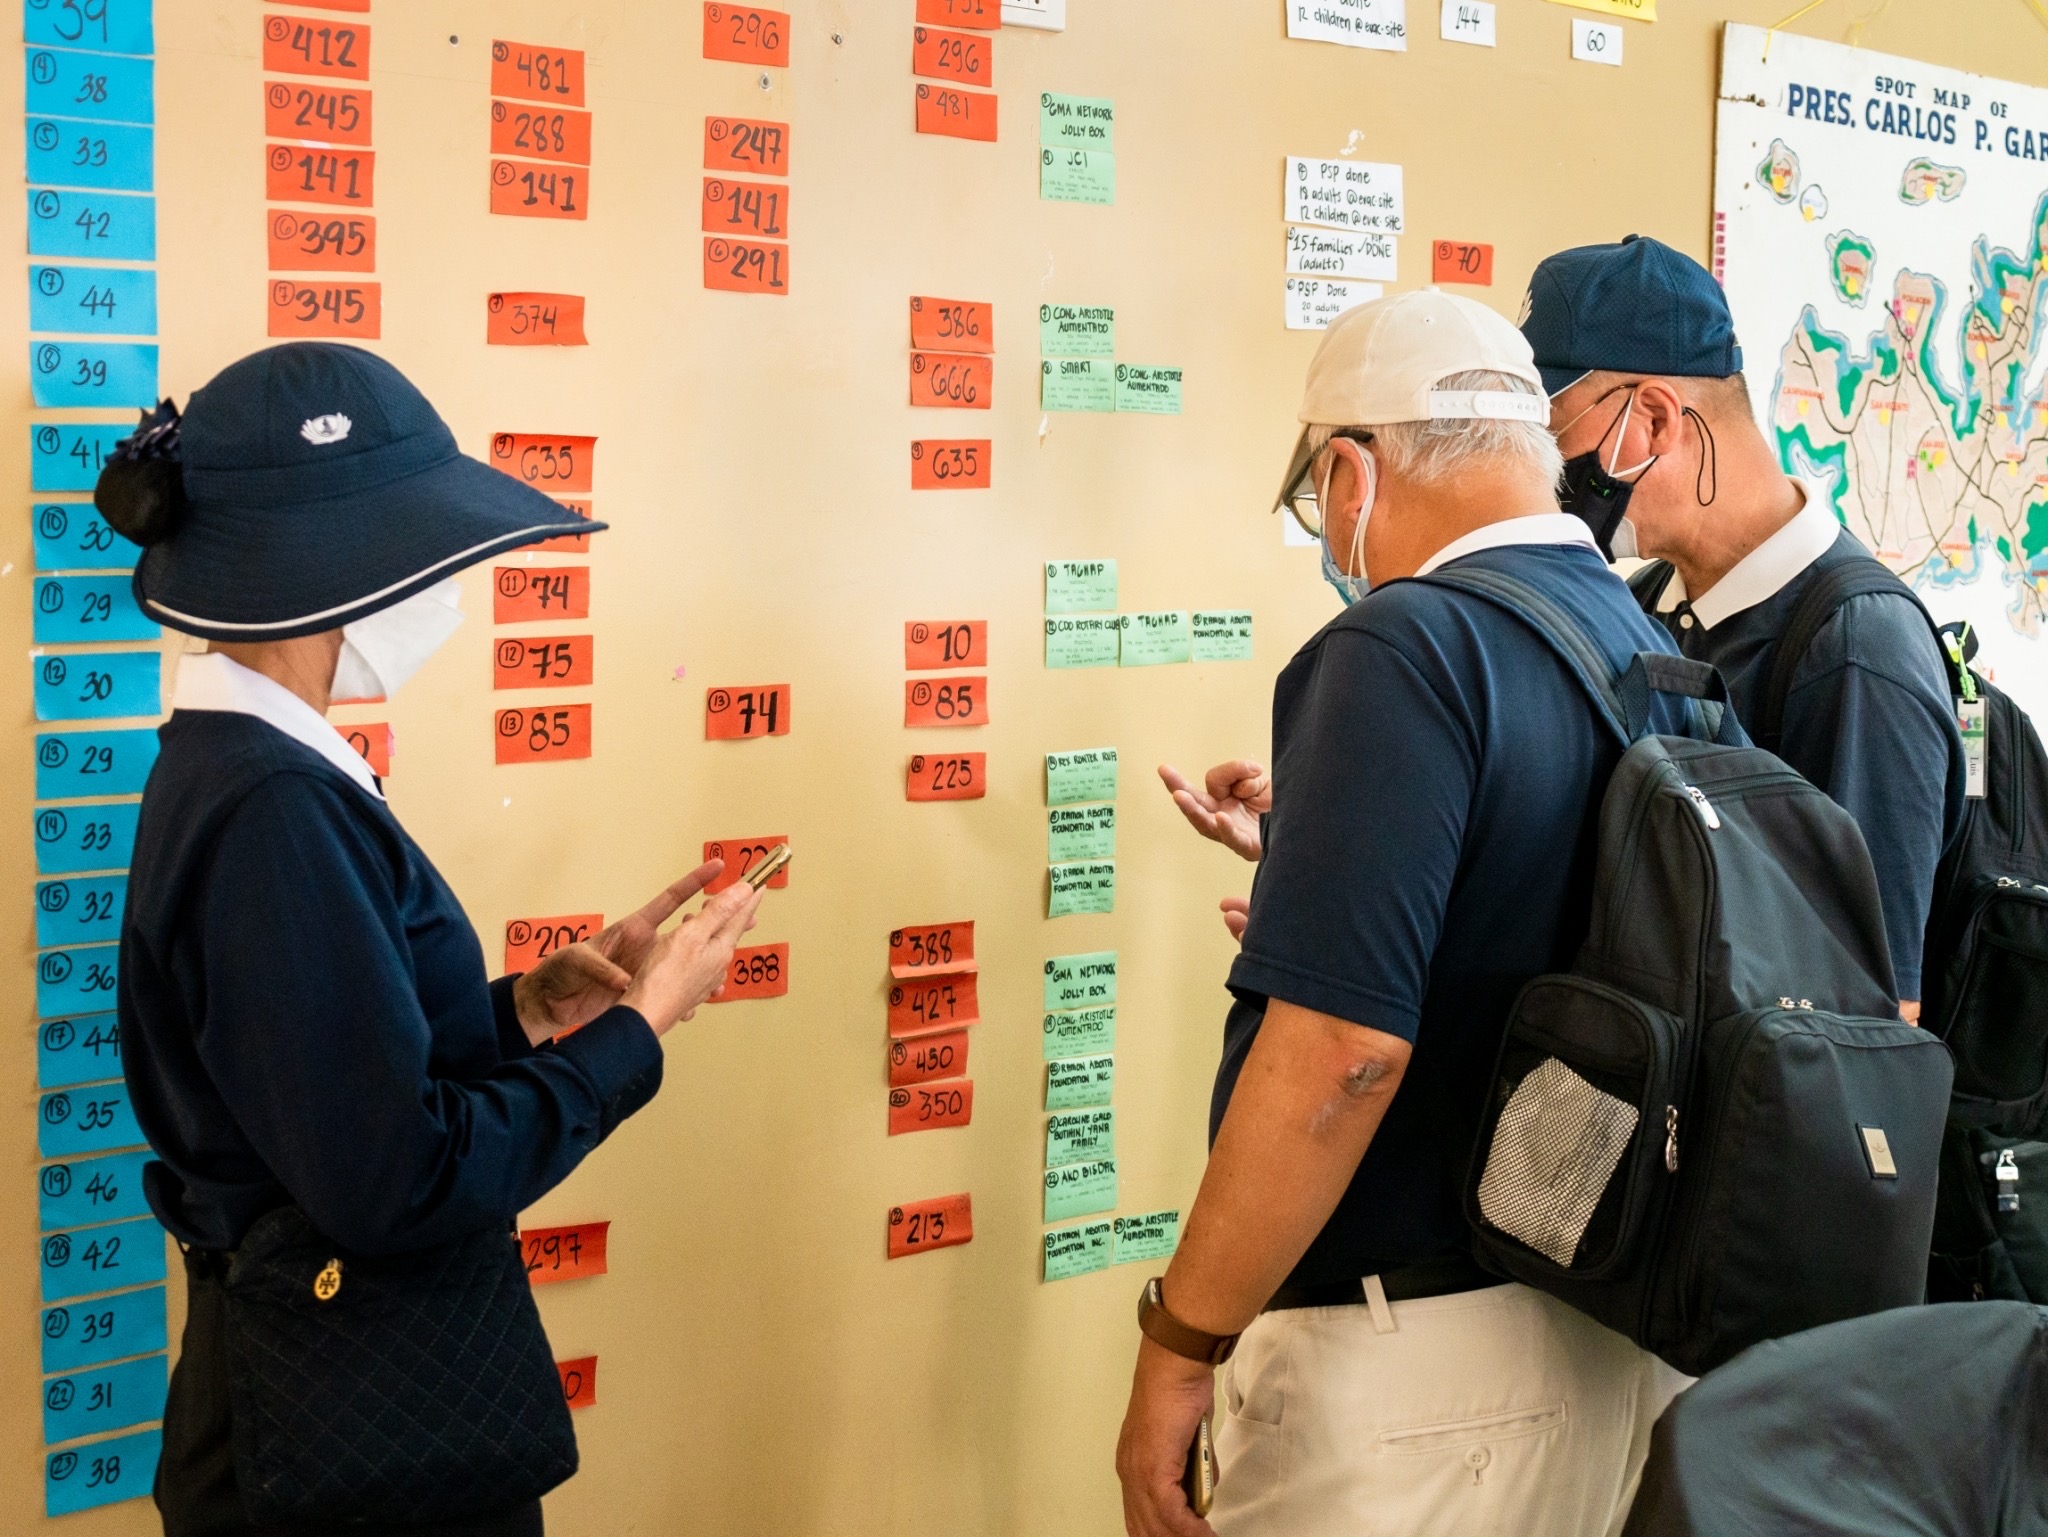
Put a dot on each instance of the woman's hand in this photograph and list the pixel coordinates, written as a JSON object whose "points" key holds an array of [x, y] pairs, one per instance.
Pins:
{"points": [[1227, 807], [686, 966]]}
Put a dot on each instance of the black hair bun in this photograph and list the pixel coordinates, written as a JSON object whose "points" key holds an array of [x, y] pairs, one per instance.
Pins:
{"points": [[141, 492]]}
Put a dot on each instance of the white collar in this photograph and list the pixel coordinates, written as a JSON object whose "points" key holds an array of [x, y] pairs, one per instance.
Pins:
{"points": [[1538, 528], [211, 681], [1764, 571]]}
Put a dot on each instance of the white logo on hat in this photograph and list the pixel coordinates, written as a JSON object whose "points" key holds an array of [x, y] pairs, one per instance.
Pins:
{"points": [[1528, 307], [322, 430]]}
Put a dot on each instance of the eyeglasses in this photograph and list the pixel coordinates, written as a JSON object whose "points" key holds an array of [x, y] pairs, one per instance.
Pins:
{"points": [[1299, 496]]}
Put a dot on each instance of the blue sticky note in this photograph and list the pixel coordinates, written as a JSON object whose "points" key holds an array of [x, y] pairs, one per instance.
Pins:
{"points": [[76, 981], [69, 152], [92, 1190], [65, 82], [74, 1122], [105, 1398], [73, 610], [108, 226], [104, 1473], [114, 301], [73, 839], [98, 685], [85, 910], [85, 1048], [68, 456], [72, 536], [104, 26], [110, 1329], [101, 1259], [103, 374], [71, 764]]}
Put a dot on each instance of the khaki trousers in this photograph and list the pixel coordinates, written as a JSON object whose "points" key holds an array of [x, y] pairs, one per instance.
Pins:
{"points": [[1499, 1411]]}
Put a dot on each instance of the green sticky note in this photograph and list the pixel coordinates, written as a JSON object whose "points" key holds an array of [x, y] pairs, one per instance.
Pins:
{"points": [[1152, 639], [1081, 122], [1080, 586], [1078, 1082], [1080, 981], [1147, 389], [1155, 1235], [1072, 1251], [1080, 832], [1085, 887], [1076, 384], [1086, 775], [1080, 1189], [1079, 1136], [1223, 635], [1076, 331], [1076, 176], [1082, 640], [1076, 1032]]}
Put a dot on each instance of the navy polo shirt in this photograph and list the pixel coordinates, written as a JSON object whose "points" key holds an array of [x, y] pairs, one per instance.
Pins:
{"points": [[1438, 775], [305, 1015], [1869, 720]]}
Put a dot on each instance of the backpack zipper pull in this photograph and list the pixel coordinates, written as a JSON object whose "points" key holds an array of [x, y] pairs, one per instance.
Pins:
{"points": [[2007, 1174], [1671, 1140], [1706, 807]]}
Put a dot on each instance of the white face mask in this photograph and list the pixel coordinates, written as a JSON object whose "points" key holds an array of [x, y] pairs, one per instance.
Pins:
{"points": [[380, 653]]}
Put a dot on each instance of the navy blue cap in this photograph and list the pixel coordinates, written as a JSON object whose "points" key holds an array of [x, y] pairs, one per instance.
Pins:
{"points": [[319, 487], [1634, 308]]}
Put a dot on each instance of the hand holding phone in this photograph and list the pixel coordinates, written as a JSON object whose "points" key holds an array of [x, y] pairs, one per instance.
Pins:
{"points": [[1198, 1479]]}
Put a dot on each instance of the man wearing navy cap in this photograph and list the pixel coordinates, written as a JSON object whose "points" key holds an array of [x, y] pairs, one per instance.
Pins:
{"points": [[1664, 459]]}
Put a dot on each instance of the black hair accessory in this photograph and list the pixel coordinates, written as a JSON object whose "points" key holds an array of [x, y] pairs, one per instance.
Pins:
{"points": [[141, 492]]}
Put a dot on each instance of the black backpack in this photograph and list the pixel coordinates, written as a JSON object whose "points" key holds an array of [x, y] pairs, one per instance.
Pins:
{"points": [[1714, 1130]]}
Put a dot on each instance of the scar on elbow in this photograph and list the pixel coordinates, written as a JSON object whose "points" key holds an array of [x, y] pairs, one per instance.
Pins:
{"points": [[1361, 1078]]}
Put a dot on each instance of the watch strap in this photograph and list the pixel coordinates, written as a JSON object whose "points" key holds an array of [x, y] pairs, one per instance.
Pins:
{"points": [[1184, 1340]]}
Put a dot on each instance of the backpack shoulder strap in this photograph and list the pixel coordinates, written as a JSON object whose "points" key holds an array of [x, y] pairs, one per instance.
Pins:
{"points": [[1821, 601], [1648, 581]]}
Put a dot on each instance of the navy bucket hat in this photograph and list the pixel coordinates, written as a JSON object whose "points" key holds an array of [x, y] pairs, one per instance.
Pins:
{"points": [[1637, 307], [307, 486]]}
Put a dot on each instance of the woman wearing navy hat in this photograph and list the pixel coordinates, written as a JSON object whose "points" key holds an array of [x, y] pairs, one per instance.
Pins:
{"points": [[347, 1115]]}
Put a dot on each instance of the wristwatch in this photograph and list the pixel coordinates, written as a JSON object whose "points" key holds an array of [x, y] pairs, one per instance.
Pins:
{"points": [[1184, 1340]]}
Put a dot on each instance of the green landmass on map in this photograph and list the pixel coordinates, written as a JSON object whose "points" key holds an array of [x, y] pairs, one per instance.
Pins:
{"points": [[1924, 181], [1850, 260]]}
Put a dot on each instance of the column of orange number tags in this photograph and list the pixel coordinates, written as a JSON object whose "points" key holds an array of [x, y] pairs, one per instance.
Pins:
{"points": [[568, 1254], [745, 222], [933, 998], [749, 713], [956, 58]]}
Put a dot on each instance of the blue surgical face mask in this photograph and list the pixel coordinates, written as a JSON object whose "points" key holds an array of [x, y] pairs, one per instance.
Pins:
{"points": [[1348, 587]]}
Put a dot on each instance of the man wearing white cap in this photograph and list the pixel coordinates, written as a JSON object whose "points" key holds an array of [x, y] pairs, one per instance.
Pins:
{"points": [[1431, 849]]}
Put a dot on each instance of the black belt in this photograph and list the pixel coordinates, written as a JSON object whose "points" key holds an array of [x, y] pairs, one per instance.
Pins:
{"points": [[1444, 1276]]}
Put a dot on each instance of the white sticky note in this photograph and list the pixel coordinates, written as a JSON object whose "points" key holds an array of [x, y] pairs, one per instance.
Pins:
{"points": [[1312, 303], [1468, 21], [1040, 15], [1338, 253], [1596, 42], [1346, 194], [1381, 24]]}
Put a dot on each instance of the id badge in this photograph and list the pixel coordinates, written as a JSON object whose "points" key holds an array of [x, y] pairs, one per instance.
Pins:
{"points": [[1976, 729]]}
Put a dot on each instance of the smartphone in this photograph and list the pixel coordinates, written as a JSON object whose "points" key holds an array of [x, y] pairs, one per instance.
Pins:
{"points": [[1198, 1479], [766, 870]]}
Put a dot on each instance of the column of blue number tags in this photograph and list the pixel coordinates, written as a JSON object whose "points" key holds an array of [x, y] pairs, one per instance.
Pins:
{"points": [[92, 304]]}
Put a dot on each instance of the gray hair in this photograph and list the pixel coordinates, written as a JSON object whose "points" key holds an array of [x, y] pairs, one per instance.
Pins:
{"points": [[1434, 451]]}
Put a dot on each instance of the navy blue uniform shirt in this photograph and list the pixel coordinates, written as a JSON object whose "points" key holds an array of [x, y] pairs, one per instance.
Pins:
{"points": [[1438, 774], [305, 1014]]}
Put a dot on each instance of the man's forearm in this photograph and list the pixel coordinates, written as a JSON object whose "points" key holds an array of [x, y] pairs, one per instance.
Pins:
{"points": [[1307, 1103]]}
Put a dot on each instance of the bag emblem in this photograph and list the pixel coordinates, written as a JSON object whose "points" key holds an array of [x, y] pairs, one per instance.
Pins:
{"points": [[1877, 1148], [328, 1281], [322, 430]]}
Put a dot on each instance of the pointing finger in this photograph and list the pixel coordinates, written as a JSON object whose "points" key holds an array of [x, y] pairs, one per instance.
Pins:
{"points": [[664, 904]]}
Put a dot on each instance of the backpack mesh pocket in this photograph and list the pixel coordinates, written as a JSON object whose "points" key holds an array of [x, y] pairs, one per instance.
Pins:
{"points": [[1555, 1150]]}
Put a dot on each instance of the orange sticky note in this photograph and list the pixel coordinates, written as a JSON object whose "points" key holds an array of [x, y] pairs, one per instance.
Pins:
{"points": [[311, 242], [324, 113], [540, 132], [305, 45], [534, 320], [740, 714], [931, 643], [945, 702], [740, 856], [1461, 261], [924, 1005], [931, 948], [753, 145], [548, 462], [931, 1107], [574, 544], [529, 941], [553, 734], [943, 1055], [526, 191], [952, 325], [961, 381], [336, 5], [579, 1381], [746, 266], [937, 1223], [746, 34], [949, 464], [372, 742], [564, 1253], [758, 971], [960, 776], [299, 174], [981, 15], [957, 114], [352, 310], [543, 661], [532, 73], [963, 56], [750, 209], [524, 594]]}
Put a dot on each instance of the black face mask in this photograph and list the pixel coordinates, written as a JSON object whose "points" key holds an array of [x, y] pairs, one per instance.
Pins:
{"points": [[1588, 492]]}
